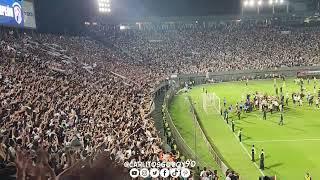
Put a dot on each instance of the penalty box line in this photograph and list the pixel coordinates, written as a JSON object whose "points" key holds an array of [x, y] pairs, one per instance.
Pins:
{"points": [[284, 140]]}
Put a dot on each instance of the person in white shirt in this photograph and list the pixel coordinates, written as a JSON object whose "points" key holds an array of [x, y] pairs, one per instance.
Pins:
{"points": [[228, 176], [203, 172]]}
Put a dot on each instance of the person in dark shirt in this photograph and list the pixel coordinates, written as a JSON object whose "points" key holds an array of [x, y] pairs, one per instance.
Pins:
{"points": [[281, 119], [253, 151], [264, 114], [198, 171], [232, 125], [215, 175], [226, 116], [238, 114], [262, 160], [240, 135], [234, 176]]}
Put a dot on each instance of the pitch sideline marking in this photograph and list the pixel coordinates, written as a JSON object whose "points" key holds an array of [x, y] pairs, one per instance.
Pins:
{"points": [[245, 150], [285, 140]]}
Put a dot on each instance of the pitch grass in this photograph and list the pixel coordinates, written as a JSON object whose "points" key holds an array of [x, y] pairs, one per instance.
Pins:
{"points": [[290, 150], [183, 118]]}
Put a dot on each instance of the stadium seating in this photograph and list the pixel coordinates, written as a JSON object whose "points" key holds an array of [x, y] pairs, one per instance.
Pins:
{"points": [[67, 100]]}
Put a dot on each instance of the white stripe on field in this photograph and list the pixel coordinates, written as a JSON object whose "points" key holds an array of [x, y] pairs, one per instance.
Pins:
{"points": [[285, 140], [245, 150]]}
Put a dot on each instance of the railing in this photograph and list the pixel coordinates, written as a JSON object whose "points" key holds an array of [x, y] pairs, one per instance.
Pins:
{"points": [[179, 140], [182, 145], [218, 158]]}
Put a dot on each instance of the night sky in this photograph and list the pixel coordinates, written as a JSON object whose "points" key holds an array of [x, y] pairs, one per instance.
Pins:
{"points": [[66, 15], [175, 7]]}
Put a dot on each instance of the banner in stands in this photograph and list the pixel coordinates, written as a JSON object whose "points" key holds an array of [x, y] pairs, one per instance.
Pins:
{"points": [[308, 74], [17, 13]]}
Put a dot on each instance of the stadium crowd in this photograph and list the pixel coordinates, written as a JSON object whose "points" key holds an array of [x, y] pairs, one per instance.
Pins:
{"points": [[226, 48], [63, 99], [66, 98]]}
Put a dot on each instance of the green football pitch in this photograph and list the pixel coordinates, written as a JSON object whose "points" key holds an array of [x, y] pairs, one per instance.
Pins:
{"points": [[290, 150]]}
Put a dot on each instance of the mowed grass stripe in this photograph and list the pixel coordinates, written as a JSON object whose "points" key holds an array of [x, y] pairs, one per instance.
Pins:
{"points": [[284, 140], [288, 160], [224, 140], [183, 120]]}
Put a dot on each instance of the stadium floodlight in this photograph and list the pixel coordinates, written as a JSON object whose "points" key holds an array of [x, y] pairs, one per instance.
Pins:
{"points": [[281, 1], [271, 2], [101, 4], [259, 3], [245, 3], [251, 3], [104, 6]]}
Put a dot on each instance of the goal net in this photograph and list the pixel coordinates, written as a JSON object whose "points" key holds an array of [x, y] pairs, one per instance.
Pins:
{"points": [[211, 103]]}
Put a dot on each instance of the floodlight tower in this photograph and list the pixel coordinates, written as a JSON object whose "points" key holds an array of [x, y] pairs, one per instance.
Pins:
{"points": [[243, 5], [271, 3], [259, 4], [104, 6]]}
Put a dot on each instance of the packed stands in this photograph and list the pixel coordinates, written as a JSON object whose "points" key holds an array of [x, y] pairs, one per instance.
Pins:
{"points": [[64, 99], [67, 100], [224, 48]]}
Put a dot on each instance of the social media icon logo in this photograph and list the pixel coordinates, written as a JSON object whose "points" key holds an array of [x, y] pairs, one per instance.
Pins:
{"points": [[164, 173], [126, 164], [174, 172], [144, 173], [154, 173], [185, 173], [134, 173]]}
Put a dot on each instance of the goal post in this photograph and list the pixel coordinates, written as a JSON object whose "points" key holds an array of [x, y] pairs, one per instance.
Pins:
{"points": [[216, 102], [211, 102]]}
